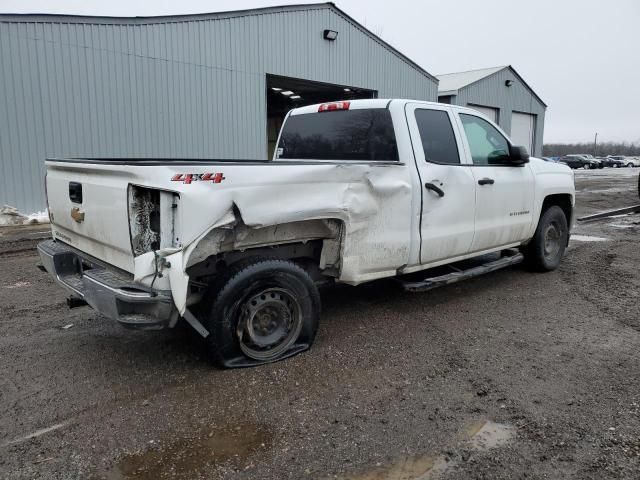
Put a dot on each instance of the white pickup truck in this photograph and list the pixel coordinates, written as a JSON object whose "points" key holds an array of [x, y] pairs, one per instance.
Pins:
{"points": [[356, 191]]}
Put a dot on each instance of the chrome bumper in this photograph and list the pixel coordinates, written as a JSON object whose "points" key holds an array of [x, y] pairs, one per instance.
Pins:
{"points": [[106, 289]]}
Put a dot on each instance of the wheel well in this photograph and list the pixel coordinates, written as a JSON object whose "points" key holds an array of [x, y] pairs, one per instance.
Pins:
{"points": [[315, 245], [562, 200]]}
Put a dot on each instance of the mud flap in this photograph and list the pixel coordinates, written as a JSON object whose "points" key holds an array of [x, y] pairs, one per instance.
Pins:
{"points": [[195, 323]]}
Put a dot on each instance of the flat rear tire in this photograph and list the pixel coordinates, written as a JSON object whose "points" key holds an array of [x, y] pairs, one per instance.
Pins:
{"points": [[264, 310]]}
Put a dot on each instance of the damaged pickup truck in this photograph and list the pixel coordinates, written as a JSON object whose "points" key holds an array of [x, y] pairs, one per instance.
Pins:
{"points": [[356, 191]]}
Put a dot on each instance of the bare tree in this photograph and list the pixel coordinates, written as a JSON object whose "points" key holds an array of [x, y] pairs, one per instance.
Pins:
{"points": [[604, 149]]}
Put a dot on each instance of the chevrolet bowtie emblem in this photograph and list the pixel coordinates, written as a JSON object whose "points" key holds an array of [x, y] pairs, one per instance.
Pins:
{"points": [[77, 215]]}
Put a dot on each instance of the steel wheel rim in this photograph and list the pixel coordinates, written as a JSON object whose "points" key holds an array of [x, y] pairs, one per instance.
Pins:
{"points": [[552, 237], [270, 322]]}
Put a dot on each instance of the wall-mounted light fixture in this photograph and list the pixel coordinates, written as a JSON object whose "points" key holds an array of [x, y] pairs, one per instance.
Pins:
{"points": [[508, 83], [330, 35]]}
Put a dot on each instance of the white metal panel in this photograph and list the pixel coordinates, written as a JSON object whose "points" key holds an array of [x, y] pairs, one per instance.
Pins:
{"points": [[489, 112], [522, 128], [451, 82]]}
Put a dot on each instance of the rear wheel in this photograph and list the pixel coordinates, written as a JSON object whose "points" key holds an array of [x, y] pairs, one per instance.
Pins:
{"points": [[586, 166], [546, 249], [265, 310]]}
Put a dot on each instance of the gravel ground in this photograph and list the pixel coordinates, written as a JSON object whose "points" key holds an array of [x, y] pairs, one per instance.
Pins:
{"points": [[510, 375]]}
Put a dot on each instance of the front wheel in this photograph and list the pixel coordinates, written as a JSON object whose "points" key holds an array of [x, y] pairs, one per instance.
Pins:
{"points": [[266, 310], [630, 165], [586, 166], [546, 249]]}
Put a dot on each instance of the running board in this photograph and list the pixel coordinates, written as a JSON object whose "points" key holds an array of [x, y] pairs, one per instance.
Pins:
{"points": [[511, 257]]}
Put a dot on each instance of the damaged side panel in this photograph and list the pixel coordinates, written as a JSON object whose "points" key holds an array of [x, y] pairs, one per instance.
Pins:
{"points": [[362, 211]]}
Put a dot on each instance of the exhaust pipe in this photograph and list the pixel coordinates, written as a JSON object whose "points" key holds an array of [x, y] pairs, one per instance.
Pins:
{"points": [[75, 302]]}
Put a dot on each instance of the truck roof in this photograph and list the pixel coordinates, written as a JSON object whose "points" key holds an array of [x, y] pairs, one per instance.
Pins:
{"points": [[357, 104]]}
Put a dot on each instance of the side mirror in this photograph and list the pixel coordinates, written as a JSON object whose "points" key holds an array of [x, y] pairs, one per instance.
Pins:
{"points": [[518, 155]]}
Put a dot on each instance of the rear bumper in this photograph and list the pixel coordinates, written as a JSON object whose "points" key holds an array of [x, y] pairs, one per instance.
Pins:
{"points": [[106, 289]]}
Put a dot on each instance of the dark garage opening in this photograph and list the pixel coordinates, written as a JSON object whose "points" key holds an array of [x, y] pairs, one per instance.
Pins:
{"points": [[285, 93]]}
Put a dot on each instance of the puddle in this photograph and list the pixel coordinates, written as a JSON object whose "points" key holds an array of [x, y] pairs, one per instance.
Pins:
{"points": [[491, 435], [479, 437], [407, 468], [184, 458], [588, 238]]}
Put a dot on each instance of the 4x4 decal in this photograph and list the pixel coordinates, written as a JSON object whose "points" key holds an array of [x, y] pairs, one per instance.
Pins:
{"points": [[188, 178]]}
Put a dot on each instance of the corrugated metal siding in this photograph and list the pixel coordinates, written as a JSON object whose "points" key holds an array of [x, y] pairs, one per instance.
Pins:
{"points": [[176, 89], [492, 92]]}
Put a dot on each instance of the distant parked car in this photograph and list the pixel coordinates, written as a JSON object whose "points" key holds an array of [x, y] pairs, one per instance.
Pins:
{"points": [[632, 161], [580, 161], [626, 161], [599, 163], [550, 159], [611, 162]]}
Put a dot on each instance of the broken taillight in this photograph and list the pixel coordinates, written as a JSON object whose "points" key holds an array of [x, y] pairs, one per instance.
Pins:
{"points": [[329, 107]]}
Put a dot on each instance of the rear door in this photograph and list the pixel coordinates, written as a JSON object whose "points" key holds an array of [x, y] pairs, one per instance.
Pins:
{"points": [[448, 190], [504, 193]]}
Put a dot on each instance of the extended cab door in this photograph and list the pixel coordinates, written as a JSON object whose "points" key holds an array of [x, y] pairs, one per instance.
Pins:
{"points": [[448, 188], [504, 192]]}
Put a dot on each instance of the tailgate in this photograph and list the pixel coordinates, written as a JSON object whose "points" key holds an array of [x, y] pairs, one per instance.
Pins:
{"points": [[88, 206]]}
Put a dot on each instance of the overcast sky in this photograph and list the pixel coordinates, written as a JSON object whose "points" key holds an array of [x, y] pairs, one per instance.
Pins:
{"points": [[582, 57]]}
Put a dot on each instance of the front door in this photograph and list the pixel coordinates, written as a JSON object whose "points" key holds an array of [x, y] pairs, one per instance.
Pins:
{"points": [[504, 193], [448, 189]]}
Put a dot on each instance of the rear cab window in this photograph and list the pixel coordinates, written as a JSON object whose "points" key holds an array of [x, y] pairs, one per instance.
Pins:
{"points": [[364, 134], [437, 137]]}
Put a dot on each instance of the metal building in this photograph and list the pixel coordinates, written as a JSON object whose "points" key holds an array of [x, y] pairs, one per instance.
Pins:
{"points": [[502, 95], [197, 86]]}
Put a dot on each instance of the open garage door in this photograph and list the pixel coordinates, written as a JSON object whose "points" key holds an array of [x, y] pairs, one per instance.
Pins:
{"points": [[285, 93], [522, 130], [490, 112]]}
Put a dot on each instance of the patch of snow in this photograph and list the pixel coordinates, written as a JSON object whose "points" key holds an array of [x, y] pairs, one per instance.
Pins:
{"points": [[617, 225], [11, 216], [588, 238], [18, 285]]}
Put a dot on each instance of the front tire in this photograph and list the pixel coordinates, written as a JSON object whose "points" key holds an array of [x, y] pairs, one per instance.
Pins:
{"points": [[546, 249], [266, 310]]}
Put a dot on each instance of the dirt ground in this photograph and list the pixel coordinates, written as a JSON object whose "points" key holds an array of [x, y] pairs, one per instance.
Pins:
{"points": [[510, 375]]}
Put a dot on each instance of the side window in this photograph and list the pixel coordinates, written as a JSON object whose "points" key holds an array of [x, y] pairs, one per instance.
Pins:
{"points": [[438, 139], [488, 146]]}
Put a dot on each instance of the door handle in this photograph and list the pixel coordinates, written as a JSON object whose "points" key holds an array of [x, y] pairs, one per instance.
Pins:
{"points": [[486, 181], [432, 187]]}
